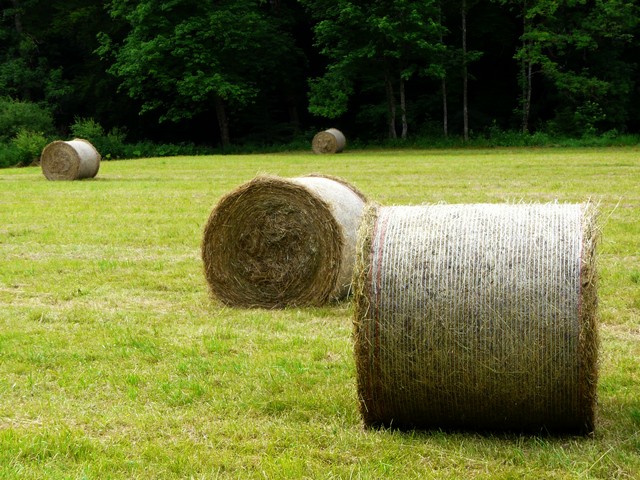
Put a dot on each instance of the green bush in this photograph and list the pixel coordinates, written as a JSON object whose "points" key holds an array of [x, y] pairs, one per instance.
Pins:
{"points": [[110, 145], [28, 146], [16, 116], [8, 155], [149, 149], [87, 128]]}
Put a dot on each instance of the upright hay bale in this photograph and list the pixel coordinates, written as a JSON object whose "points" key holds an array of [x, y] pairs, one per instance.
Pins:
{"points": [[276, 242], [72, 160], [329, 141], [477, 316]]}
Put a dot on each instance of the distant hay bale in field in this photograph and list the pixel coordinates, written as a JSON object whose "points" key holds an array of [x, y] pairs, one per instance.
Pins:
{"points": [[72, 160], [329, 141], [477, 316], [275, 242]]}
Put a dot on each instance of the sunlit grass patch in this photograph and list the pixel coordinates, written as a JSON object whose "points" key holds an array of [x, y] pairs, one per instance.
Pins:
{"points": [[116, 363]]}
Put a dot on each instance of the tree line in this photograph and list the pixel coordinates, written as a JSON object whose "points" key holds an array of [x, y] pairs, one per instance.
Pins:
{"points": [[223, 72]]}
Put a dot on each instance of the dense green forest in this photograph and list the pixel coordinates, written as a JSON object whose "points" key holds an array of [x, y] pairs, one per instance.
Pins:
{"points": [[233, 72]]}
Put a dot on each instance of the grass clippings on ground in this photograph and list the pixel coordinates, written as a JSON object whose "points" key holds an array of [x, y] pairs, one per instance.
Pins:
{"points": [[115, 362]]}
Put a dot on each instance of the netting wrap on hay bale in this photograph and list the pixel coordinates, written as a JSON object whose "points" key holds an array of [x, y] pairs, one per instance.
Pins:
{"points": [[72, 160], [477, 316], [276, 242], [328, 141]]}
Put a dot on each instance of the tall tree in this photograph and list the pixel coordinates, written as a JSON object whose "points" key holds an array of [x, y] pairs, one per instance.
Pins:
{"points": [[237, 68], [467, 57], [576, 45], [184, 57], [46, 55], [525, 55], [394, 39], [526, 70], [443, 77], [25, 73]]}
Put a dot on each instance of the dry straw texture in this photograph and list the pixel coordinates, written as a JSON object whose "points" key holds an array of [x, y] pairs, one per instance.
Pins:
{"points": [[72, 160], [276, 242], [329, 141], [477, 316]]}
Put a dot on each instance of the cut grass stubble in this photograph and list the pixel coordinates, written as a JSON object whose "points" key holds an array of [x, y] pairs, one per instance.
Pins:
{"points": [[116, 363]]}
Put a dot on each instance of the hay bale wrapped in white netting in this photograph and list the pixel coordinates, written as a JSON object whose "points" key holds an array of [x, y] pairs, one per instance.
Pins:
{"points": [[72, 160], [477, 316], [276, 242], [329, 141]]}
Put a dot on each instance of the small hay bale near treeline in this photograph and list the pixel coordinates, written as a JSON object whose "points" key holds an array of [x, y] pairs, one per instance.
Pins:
{"points": [[329, 141], [477, 317], [276, 242], [71, 160]]}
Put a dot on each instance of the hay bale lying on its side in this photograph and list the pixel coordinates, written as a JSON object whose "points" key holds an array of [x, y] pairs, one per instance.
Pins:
{"points": [[477, 316], [72, 160], [276, 242], [329, 141]]}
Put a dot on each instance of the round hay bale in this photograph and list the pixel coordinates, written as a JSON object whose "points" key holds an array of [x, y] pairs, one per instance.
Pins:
{"points": [[329, 141], [276, 242], [477, 317], [72, 160]]}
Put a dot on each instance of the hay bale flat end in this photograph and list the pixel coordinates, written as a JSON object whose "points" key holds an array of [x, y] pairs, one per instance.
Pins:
{"points": [[276, 242]]}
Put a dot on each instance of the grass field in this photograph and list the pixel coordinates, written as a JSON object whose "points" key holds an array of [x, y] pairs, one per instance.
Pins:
{"points": [[115, 363]]}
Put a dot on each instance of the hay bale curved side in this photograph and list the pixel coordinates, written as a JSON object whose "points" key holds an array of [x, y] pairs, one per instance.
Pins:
{"points": [[71, 160], [331, 140], [477, 316], [276, 242], [346, 204]]}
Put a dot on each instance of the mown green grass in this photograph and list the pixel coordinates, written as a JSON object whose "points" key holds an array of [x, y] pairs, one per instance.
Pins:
{"points": [[115, 363]]}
